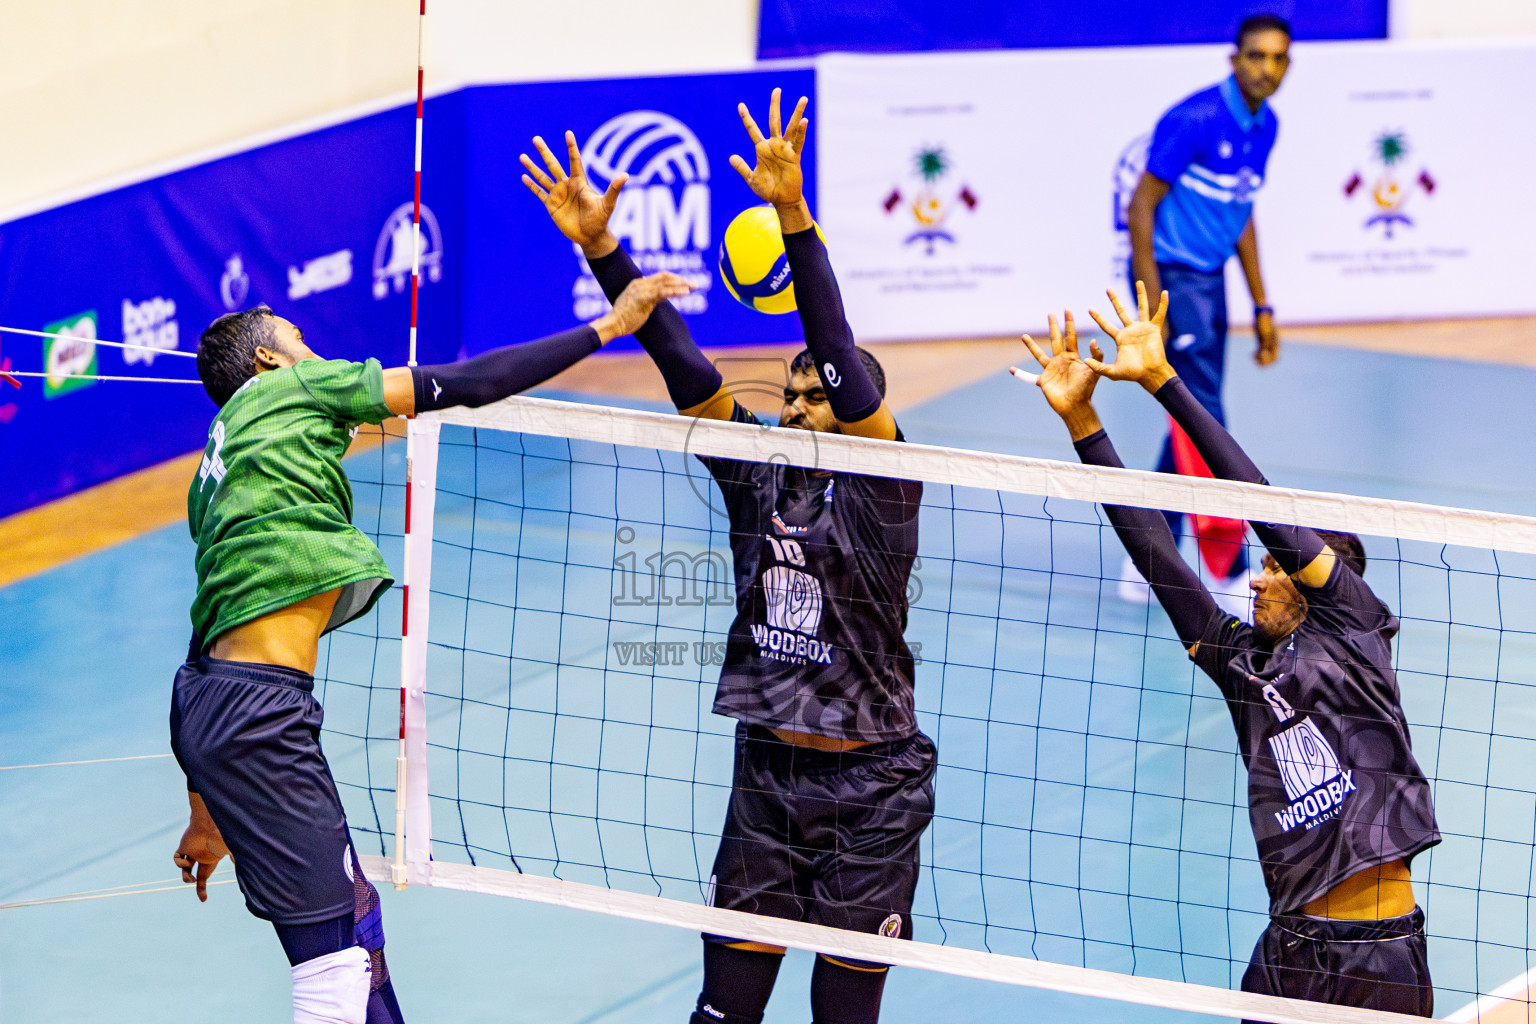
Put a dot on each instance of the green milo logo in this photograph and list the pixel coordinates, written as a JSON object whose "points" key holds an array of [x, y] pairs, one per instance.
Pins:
{"points": [[68, 360]]}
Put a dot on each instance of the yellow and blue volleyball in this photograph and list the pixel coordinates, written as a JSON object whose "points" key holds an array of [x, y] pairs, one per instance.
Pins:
{"points": [[752, 262]]}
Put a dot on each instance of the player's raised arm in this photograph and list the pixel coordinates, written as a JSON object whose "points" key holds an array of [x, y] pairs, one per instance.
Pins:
{"points": [[1068, 384], [777, 179], [1139, 356], [582, 214], [515, 368]]}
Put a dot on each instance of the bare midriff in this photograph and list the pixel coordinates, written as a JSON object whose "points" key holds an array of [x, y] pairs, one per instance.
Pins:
{"points": [[825, 744], [1375, 894], [289, 637]]}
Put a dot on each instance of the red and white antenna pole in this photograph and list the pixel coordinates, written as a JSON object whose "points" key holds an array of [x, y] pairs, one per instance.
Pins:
{"points": [[421, 77], [398, 873]]}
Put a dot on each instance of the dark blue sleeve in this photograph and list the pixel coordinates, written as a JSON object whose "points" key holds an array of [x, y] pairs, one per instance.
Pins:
{"points": [[852, 395], [1293, 547], [1173, 144], [1150, 543], [691, 378], [502, 371]]}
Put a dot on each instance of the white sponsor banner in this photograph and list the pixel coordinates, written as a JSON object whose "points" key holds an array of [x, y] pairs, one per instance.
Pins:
{"points": [[970, 194], [1396, 189]]}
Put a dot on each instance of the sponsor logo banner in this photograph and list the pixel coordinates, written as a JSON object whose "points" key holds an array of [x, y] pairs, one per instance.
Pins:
{"points": [[662, 216], [321, 274], [392, 252], [151, 325], [673, 136], [73, 354], [967, 195]]}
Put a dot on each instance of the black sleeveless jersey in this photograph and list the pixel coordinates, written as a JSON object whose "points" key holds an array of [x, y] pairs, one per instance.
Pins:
{"points": [[1333, 787], [822, 563]]}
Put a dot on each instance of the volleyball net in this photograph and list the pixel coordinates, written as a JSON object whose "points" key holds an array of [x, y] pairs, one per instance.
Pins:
{"points": [[567, 591]]}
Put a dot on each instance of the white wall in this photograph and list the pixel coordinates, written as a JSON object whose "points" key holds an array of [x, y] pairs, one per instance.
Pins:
{"points": [[93, 88], [90, 89], [1440, 19], [498, 41]]}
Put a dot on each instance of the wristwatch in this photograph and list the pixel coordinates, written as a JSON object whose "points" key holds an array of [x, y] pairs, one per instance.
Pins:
{"points": [[1259, 311]]}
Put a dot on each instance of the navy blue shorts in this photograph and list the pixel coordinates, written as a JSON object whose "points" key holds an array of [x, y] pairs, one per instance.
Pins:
{"points": [[829, 838], [1379, 965], [248, 738]]}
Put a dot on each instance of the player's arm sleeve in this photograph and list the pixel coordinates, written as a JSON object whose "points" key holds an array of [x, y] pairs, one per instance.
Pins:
{"points": [[1173, 146], [501, 372], [691, 378], [1295, 548], [852, 395], [1150, 543]]}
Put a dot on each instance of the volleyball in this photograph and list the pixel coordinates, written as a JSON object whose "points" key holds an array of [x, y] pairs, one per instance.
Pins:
{"points": [[752, 261]]}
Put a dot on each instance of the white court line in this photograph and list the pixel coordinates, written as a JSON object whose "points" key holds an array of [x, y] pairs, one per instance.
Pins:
{"points": [[1507, 1004]]}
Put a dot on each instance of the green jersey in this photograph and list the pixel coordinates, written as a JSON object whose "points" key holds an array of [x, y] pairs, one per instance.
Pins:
{"points": [[271, 507]]}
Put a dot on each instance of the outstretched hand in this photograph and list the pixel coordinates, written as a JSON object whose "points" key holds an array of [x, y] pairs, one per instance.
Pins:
{"points": [[1139, 353], [777, 178], [1065, 378], [580, 211], [635, 303]]}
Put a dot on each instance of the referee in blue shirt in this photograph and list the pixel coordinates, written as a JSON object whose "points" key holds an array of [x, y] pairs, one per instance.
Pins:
{"points": [[1193, 208]]}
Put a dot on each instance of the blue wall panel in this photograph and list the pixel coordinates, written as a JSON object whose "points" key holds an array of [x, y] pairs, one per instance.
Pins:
{"points": [[673, 136], [793, 28], [317, 227], [168, 255]]}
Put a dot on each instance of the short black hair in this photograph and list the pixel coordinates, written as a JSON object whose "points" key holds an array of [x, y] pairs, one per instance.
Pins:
{"points": [[1261, 23], [807, 362], [226, 353], [1347, 547]]}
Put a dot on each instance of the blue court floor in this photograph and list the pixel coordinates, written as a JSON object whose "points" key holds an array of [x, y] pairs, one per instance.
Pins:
{"points": [[87, 652]]}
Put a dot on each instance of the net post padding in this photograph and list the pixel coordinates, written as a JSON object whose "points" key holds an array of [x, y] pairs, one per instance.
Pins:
{"points": [[966, 963], [1380, 517], [421, 503]]}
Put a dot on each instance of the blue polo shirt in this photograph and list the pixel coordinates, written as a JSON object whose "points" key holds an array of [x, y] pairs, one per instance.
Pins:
{"points": [[1212, 150]]}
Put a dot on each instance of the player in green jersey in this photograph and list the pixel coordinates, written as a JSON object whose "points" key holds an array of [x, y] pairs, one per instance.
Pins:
{"points": [[279, 564]]}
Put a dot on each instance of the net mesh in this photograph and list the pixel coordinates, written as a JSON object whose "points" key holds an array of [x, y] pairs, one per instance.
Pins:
{"points": [[1091, 808], [357, 678]]}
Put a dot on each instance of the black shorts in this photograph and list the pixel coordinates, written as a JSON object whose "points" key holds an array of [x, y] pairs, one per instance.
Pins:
{"points": [[829, 838], [1379, 965], [248, 738]]}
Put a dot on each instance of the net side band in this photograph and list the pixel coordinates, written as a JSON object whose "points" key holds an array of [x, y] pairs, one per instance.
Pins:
{"points": [[969, 963], [1380, 517]]}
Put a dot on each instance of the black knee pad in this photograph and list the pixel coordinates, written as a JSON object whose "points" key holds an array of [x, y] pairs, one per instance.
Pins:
{"points": [[846, 991]]}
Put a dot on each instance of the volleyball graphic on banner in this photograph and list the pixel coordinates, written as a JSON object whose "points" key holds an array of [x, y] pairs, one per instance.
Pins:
{"points": [[662, 216], [753, 264]]}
